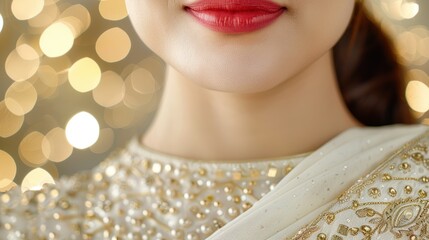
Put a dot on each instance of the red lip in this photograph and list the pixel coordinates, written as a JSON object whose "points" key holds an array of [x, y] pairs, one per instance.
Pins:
{"points": [[235, 16]]}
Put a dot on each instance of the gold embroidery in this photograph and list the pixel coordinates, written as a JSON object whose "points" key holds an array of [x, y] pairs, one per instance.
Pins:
{"points": [[404, 211]]}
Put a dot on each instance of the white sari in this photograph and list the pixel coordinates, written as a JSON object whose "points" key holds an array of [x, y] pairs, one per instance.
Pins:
{"points": [[314, 185], [141, 194]]}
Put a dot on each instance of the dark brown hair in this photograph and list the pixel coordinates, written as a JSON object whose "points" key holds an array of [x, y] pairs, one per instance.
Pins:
{"points": [[371, 79]]}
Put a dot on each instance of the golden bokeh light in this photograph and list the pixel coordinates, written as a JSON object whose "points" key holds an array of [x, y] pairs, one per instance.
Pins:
{"points": [[30, 149], [48, 15], [55, 146], [20, 68], [119, 116], [20, 98], [35, 179], [113, 10], [84, 75], [110, 91], [105, 141], [57, 39], [82, 130], [113, 45], [140, 87], [46, 82], [27, 44], [143, 82], [77, 17], [409, 10], [8, 187], [9, 122], [24, 9], [417, 94], [7, 169], [1, 22]]}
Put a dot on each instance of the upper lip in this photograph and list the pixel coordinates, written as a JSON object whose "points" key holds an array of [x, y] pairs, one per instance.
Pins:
{"points": [[235, 5]]}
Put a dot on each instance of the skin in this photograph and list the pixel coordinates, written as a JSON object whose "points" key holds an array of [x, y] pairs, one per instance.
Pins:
{"points": [[238, 97]]}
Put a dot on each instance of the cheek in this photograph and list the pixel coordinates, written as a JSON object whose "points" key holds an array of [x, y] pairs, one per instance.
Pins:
{"points": [[149, 21], [325, 20]]}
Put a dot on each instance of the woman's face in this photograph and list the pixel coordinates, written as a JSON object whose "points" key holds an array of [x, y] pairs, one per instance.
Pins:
{"points": [[241, 62]]}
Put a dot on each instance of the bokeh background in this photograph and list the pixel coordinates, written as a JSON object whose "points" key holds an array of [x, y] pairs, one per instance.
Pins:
{"points": [[77, 83]]}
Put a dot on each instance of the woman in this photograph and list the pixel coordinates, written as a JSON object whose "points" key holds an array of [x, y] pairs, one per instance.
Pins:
{"points": [[247, 82]]}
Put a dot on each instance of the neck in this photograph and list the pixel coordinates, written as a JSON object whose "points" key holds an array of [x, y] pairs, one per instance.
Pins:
{"points": [[298, 116]]}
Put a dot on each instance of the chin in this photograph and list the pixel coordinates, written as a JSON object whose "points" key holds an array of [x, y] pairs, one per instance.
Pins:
{"points": [[237, 82]]}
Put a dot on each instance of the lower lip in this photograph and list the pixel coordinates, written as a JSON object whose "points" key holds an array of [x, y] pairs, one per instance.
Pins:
{"points": [[235, 22]]}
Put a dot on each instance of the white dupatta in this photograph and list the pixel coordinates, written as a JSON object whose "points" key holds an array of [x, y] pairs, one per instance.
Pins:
{"points": [[316, 182]]}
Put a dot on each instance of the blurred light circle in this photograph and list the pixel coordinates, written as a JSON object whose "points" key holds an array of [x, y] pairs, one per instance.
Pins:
{"points": [[78, 18], [55, 146], [113, 45], [119, 116], [9, 122], [110, 91], [409, 10], [20, 98], [49, 13], [82, 130], [7, 169], [105, 141], [1, 22], [84, 75], [20, 68], [142, 81], [134, 99], [57, 39], [30, 149], [25, 9], [113, 10], [28, 47], [8, 187], [417, 94], [47, 81], [35, 179]]}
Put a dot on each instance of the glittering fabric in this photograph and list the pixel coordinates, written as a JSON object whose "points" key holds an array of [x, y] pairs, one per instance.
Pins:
{"points": [[138, 194]]}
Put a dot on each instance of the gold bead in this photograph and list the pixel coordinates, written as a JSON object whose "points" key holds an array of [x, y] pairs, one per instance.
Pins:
{"points": [[422, 193], [408, 189], [237, 199], [404, 166], [5, 198], [366, 229], [355, 204], [200, 215], [288, 169], [202, 172], [247, 205], [232, 212], [236, 175], [374, 192], [386, 177], [321, 236], [370, 213], [392, 192], [413, 237], [354, 231], [329, 217], [216, 203], [272, 172], [343, 229], [418, 157], [424, 179], [247, 191]]}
